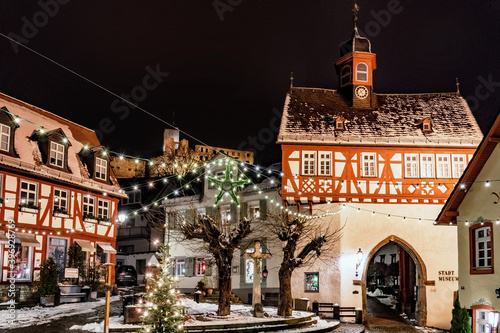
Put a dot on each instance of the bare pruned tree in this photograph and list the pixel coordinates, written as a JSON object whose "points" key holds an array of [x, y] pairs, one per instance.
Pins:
{"points": [[304, 240], [221, 242]]}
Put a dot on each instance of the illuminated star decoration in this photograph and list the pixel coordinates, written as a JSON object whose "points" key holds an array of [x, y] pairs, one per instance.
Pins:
{"points": [[227, 185]]}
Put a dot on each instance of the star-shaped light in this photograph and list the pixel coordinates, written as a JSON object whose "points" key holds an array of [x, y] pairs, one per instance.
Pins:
{"points": [[227, 185]]}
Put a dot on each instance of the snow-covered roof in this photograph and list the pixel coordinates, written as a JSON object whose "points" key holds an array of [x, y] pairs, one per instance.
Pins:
{"points": [[28, 152], [309, 118]]}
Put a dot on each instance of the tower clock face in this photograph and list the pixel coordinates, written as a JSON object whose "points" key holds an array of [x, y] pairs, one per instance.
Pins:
{"points": [[361, 92]]}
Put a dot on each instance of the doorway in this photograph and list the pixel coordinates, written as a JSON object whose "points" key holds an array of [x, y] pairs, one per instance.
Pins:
{"points": [[393, 283]]}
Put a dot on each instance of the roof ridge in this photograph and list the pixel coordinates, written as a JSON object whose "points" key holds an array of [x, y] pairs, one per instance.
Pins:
{"points": [[38, 109]]}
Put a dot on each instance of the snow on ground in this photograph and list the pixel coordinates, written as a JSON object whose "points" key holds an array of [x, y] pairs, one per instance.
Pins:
{"points": [[115, 322], [428, 330], [40, 315]]}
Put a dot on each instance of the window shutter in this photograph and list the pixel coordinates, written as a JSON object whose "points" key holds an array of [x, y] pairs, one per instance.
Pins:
{"points": [[171, 221], [243, 210], [189, 266], [210, 211], [263, 209], [190, 216], [234, 213], [172, 268]]}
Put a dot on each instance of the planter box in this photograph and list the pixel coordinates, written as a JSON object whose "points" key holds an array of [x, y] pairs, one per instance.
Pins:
{"points": [[28, 210], [62, 215], [106, 223], [47, 300], [90, 220]]}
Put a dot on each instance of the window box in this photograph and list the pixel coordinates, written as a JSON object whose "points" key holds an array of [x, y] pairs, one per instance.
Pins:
{"points": [[90, 218], [60, 212], [29, 208], [106, 221]]}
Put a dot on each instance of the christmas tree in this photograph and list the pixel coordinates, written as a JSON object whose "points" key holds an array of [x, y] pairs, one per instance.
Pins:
{"points": [[460, 319], [163, 310]]}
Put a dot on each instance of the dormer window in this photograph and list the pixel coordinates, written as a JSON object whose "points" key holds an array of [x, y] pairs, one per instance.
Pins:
{"points": [[4, 137], [345, 76], [101, 168], [7, 128], [362, 72], [56, 154], [426, 126], [339, 124], [53, 146]]}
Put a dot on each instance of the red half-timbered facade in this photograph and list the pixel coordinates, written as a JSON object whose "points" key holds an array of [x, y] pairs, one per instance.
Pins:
{"points": [[56, 189]]}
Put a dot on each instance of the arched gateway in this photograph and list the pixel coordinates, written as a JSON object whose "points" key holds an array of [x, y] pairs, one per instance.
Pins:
{"points": [[407, 254]]}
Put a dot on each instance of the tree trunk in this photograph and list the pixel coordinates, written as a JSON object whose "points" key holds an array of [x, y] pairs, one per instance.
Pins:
{"points": [[224, 269], [285, 297]]}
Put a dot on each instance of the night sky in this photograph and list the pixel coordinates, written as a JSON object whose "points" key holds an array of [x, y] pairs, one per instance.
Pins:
{"points": [[225, 77]]}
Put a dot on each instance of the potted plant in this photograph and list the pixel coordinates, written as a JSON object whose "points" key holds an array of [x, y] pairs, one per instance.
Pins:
{"points": [[60, 212], [49, 275], [258, 310], [201, 286], [92, 279]]}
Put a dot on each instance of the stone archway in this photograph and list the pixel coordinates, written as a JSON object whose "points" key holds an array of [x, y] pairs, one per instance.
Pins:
{"points": [[422, 276]]}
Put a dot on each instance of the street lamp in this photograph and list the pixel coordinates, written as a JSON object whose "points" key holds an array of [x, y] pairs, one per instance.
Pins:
{"points": [[121, 217], [264, 273], [493, 318], [359, 259]]}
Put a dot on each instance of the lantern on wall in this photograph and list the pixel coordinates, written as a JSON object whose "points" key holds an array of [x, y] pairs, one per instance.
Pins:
{"points": [[264, 272]]}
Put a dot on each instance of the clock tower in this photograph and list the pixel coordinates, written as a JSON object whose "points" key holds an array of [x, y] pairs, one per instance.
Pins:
{"points": [[355, 69]]}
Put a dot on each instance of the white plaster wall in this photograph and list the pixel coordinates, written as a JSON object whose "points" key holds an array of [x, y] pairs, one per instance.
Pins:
{"points": [[435, 245]]}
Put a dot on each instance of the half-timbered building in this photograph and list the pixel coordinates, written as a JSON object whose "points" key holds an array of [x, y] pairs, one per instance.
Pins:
{"points": [[56, 189], [381, 166]]}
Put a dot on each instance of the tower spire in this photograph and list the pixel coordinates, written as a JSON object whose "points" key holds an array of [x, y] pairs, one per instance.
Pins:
{"points": [[291, 80], [458, 86], [355, 12]]}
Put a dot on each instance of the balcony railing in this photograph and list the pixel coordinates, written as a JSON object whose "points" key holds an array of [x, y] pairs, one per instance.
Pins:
{"points": [[133, 232]]}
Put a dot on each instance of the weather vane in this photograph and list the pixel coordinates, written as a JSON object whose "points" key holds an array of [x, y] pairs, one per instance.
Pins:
{"points": [[227, 185], [355, 12]]}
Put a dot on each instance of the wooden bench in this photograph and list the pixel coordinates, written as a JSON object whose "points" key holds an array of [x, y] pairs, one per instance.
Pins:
{"points": [[337, 312]]}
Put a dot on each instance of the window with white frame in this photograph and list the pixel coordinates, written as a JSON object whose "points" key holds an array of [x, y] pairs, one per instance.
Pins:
{"points": [[60, 201], [4, 137], [218, 175], [199, 268], [368, 165], [362, 72], [23, 265], [103, 209], [325, 163], [29, 192], [180, 269], [411, 165], [458, 165], [345, 76], [309, 163], [482, 242], [56, 154], [254, 210], [101, 168], [88, 205], [443, 165], [427, 165]]}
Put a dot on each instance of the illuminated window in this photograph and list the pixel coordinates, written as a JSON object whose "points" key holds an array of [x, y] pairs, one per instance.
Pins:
{"points": [[199, 268], [180, 270], [23, 265], [311, 282]]}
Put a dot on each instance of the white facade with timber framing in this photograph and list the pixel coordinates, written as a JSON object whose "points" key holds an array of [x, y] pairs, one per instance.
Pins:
{"points": [[54, 190], [473, 210], [385, 163]]}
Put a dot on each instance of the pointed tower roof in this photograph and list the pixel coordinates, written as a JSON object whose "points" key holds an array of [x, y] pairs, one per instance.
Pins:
{"points": [[356, 43]]}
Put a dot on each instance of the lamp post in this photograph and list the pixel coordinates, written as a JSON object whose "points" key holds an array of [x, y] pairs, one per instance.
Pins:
{"points": [[359, 259], [493, 318]]}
